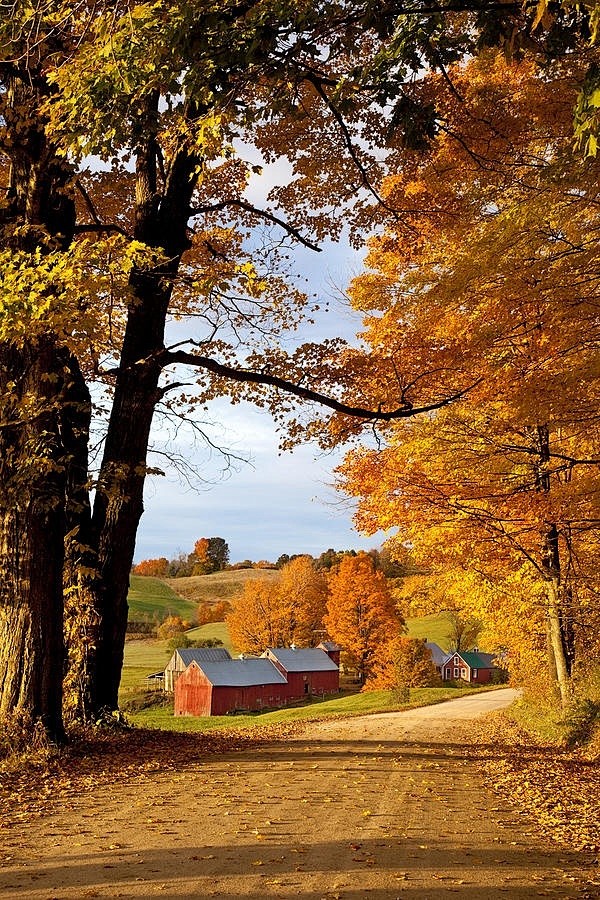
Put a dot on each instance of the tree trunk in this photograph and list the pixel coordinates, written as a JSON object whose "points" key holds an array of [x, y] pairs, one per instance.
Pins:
{"points": [[559, 662], [32, 475], [38, 213], [161, 222]]}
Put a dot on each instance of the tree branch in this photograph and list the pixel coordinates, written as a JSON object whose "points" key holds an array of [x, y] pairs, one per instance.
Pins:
{"points": [[182, 357], [261, 213]]}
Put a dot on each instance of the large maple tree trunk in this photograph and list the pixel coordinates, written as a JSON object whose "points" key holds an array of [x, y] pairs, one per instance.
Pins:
{"points": [[32, 501], [38, 214], [119, 500]]}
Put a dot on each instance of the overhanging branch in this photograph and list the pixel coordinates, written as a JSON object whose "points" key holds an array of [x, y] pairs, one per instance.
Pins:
{"points": [[247, 376]]}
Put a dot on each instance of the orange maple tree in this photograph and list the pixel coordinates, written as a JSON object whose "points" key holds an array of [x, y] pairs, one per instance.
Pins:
{"points": [[361, 613], [403, 662], [280, 612], [156, 567], [494, 290]]}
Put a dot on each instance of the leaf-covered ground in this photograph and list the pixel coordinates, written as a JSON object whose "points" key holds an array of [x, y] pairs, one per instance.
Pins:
{"points": [[557, 789], [385, 804]]}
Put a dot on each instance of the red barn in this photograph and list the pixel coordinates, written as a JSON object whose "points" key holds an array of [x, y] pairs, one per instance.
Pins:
{"points": [[218, 688], [308, 670]]}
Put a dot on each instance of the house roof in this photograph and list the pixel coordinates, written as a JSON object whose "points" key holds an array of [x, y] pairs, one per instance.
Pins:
{"points": [[488, 659], [438, 656], [306, 659], [474, 660], [241, 672], [202, 654]]}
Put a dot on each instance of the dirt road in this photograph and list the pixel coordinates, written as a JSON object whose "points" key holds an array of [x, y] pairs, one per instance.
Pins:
{"points": [[385, 806]]}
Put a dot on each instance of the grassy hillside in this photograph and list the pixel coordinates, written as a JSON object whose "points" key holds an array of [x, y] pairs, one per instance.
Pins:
{"points": [[217, 630], [435, 627], [218, 586], [151, 598]]}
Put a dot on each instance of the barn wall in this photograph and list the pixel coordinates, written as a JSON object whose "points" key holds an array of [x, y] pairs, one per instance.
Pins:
{"points": [[193, 693], [304, 684], [252, 697]]}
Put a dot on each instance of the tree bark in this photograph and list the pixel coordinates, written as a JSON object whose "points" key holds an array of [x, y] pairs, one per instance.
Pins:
{"points": [[32, 475], [35, 378]]}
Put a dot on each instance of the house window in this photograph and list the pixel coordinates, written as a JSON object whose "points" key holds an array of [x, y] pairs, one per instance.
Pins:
{"points": [[456, 673], [474, 673], [463, 673]]}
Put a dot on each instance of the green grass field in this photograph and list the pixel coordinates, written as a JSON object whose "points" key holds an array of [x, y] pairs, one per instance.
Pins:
{"points": [[434, 628], [151, 598], [339, 706]]}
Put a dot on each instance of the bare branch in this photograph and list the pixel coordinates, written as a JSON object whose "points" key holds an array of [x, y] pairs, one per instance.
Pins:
{"points": [[260, 213]]}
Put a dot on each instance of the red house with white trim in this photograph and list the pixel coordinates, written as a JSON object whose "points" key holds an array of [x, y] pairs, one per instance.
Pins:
{"points": [[471, 666]]}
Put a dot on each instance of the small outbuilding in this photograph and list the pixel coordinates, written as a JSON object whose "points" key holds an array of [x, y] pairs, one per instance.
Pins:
{"points": [[438, 656], [226, 686], [182, 658]]}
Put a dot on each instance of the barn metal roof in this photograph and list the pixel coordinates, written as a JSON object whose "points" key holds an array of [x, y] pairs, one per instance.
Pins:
{"points": [[202, 654], [437, 654], [474, 660], [307, 659], [241, 672]]}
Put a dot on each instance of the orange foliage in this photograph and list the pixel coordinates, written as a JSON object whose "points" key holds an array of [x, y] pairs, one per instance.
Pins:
{"points": [[173, 626], [403, 662], [360, 611], [213, 612], [493, 290], [156, 567], [276, 613]]}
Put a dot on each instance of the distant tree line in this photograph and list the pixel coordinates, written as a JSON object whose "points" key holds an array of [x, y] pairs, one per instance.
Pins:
{"points": [[209, 555], [212, 555]]}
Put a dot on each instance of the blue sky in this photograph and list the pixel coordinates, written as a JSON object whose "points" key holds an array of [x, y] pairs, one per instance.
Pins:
{"points": [[276, 503]]}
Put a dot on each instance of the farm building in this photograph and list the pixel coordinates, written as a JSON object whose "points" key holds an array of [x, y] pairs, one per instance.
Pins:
{"points": [[184, 656], [332, 650], [438, 657], [471, 666], [218, 688], [308, 670], [280, 676]]}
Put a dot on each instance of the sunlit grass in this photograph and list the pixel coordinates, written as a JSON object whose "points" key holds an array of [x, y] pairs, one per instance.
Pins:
{"points": [[356, 704], [150, 598]]}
